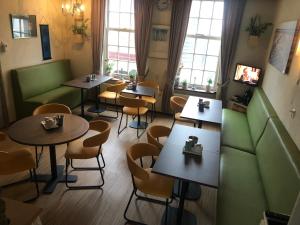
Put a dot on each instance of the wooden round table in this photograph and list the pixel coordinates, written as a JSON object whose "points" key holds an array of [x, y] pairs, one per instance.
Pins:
{"points": [[29, 131]]}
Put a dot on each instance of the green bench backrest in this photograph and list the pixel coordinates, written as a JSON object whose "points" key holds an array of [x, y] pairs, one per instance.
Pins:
{"points": [[35, 80], [259, 111], [279, 164]]}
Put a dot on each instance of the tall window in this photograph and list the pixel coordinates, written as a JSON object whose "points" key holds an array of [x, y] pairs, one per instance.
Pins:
{"points": [[120, 44], [201, 49]]}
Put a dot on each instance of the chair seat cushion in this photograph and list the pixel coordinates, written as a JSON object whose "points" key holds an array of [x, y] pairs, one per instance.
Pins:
{"points": [[241, 198], [64, 95], [156, 185], [76, 150], [177, 117], [150, 100], [135, 111], [235, 131], [109, 95]]}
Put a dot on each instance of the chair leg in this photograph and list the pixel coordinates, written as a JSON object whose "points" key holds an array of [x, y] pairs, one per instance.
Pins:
{"points": [[38, 156], [152, 112], [120, 131], [126, 209], [166, 214], [102, 167], [33, 172], [173, 123]]}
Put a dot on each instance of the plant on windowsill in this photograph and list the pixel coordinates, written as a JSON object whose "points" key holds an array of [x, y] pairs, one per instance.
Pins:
{"points": [[184, 84], [108, 67], [80, 31], [208, 86], [132, 75]]}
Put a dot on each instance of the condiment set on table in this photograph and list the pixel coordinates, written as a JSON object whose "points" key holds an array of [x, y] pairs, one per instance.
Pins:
{"points": [[131, 86], [53, 122], [192, 147], [203, 104], [91, 77]]}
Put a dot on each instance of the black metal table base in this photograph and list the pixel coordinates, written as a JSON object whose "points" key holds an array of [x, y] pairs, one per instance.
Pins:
{"points": [[138, 125], [193, 193], [187, 217], [96, 109], [51, 182]]}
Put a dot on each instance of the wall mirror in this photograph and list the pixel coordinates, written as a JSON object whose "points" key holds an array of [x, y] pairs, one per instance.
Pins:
{"points": [[23, 26]]}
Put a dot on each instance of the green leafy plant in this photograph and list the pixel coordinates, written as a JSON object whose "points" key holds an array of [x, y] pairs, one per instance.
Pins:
{"points": [[184, 83], [108, 66], [81, 29], [209, 82], [132, 74], [256, 27]]}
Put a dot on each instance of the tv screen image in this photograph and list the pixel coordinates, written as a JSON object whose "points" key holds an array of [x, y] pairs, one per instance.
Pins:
{"points": [[247, 74]]}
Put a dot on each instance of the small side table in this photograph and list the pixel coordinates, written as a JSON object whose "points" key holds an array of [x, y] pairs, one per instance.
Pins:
{"points": [[236, 106]]}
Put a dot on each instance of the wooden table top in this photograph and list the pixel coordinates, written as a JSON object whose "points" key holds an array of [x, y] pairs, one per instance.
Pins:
{"points": [[141, 91], [203, 170], [212, 114], [29, 131], [82, 83]]}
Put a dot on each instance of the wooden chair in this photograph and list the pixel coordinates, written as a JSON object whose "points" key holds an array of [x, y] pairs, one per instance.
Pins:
{"points": [[145, 181], [133, 107], [113, 93], [44, 109], [148, 99], [18, 161], [177, 104], [88, 147]]}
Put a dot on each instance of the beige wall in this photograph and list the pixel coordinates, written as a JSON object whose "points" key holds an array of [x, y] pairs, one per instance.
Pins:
{"points": [[25, 52], [280, 88]]}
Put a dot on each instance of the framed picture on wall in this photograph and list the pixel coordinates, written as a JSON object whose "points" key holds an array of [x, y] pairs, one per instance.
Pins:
{"points": [[45, 40], [284, 45]]}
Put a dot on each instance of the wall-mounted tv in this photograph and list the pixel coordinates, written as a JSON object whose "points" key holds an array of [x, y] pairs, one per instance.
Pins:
{"points": [[23, 26], [247, 74]]}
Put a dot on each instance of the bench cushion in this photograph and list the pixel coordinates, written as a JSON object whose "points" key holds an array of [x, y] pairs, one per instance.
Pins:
{"points": [[235, 131], [279, 164], [241, 198]]}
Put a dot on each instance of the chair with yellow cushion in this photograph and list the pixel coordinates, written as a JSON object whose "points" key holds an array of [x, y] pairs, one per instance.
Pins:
{"points": [[113, 93], [88, 147], [136, 108], [145, 181], [49, 108], [17, 161], [177, 104], [148, 99]]}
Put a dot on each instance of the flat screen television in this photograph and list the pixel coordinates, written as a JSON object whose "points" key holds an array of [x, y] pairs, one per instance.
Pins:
{"points": [[247, 74]]}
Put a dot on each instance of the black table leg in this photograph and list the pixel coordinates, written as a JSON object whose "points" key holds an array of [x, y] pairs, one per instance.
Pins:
{"points": [[57, 174], [82, 102], [200, 124], [193, 192], [97, 108]]}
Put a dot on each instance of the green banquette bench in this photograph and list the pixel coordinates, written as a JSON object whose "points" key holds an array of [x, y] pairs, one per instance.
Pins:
{"points": [[42, 84], [260, 165]]}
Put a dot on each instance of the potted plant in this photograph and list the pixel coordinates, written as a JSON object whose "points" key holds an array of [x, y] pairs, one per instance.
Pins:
{"points": [[108, 67], [176, 83], [208, 86], [256, 28], [132, 75], [80, 30], [184, 84]]}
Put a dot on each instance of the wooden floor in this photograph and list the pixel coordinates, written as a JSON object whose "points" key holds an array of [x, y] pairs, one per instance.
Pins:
{"points": [[106, 206]]}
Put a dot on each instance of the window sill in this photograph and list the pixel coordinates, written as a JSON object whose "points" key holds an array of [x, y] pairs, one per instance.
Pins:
{"points": [[191, 90]]}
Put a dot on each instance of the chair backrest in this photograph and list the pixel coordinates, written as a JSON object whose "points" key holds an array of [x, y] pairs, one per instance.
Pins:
{"points": [[103, 127], [138, 151], [52, 108], [155, 132], [116, 87], [132, 102], [150, 84], [177, 103]]}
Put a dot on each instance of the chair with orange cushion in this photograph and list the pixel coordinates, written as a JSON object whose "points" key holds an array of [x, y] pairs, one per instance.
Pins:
{"points": [[49, 108], [17, 161], [148, 99], [88, 147], [113, 93], [177, 104], [136, 108], [145, 181]]}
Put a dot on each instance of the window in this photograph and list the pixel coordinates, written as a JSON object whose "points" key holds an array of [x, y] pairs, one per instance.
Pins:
{"points": [[120, 40], [200, 55]]}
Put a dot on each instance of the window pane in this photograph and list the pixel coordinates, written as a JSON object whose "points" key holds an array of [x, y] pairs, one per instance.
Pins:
{"points": [[206, 9], [114, 5], [189, 45], [113, 20], [204, 26], [218, 10], [125, 20], [123, 53], [211, 63], [123, 66], [115, 65], [214, 47], [124, 38], [187, 60], [199, 62], [201, 46], [207, 76], [185, 75], [113, 37], [192, 28], [197, 76], [132, 22], [132, 54], [132, 40], [132, 66], [216, 28], [195, 9], [125, 5], [113, 52]]}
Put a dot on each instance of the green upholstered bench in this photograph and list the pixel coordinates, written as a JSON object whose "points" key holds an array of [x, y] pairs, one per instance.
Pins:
{"points": [[41, 84], [264, 177]]}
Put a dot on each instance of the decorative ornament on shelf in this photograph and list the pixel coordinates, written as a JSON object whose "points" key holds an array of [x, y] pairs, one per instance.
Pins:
{"points": [[108, 67], [208, 86], [79, 29], [72, 7], [256, 28]]}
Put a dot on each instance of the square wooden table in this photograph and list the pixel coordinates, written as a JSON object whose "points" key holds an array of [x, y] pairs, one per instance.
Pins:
{"points": [[202, 170], [213, 114], [84, 85]]}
